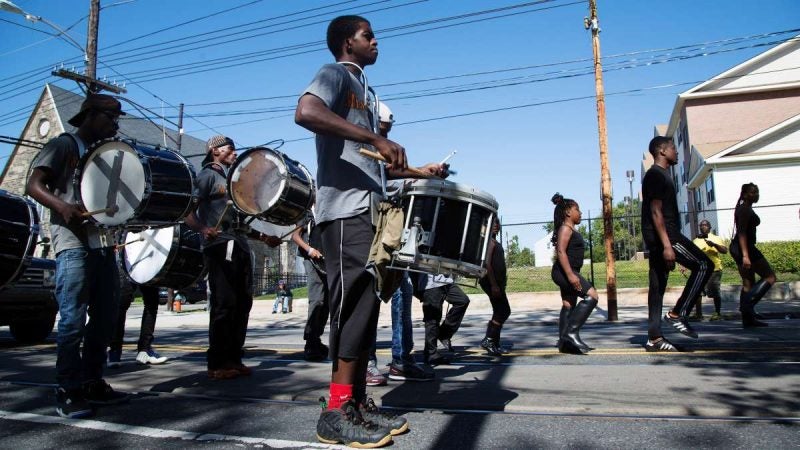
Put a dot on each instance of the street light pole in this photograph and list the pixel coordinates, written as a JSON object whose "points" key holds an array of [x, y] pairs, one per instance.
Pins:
{"points": [[7, 6], [605, 174]]}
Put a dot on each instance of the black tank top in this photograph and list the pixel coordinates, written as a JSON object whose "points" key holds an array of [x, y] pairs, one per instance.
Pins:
{"points": [[575, 248], [752, 222]]}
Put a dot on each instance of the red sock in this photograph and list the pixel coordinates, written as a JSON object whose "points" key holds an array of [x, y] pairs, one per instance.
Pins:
{"points": [[340, 394]]}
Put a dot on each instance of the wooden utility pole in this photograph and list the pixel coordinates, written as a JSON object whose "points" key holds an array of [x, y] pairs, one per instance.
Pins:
{"points": [[180, 126], [592, 24], [91, 41]]}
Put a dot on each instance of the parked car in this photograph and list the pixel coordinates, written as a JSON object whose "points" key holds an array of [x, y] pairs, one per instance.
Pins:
{"points": [[28, 305], [192, 294]]}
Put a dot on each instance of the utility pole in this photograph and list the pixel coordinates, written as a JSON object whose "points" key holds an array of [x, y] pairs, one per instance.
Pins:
{"points": [[180, 126], [591, 23], [91, 41]]}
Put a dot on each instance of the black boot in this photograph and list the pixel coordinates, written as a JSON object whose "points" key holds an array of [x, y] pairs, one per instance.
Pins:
{"points": [[580, 313], [748, 301], [563, 318], [492, 347]]}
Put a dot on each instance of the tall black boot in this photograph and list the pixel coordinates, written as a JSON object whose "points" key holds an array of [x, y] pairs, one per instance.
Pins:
{"points": [[748, 301], [491, 342], [563, 318], [580, 313]]}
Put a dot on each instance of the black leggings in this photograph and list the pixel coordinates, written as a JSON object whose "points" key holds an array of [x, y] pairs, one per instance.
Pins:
{"points": [[500, 307]]}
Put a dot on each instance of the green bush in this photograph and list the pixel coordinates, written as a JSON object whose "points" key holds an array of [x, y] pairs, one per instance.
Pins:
{"points": [[783, 256]]}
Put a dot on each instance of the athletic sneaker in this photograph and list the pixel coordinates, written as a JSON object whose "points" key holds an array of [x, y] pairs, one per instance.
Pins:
{"points": [[150, 357], [371, 413], [114, 358], [72, 404], [715, 316], [399, 371], [346, 426], [680, 324], [660, 345], [374, 375], [98, 392], [315, 352]]}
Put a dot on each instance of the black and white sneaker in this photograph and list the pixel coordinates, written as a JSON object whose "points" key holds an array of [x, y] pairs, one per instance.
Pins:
{"points": [[98, 392], [72, 405], [370, 412], [660, 345], [682, 325], [346, 426], [399, 371]]}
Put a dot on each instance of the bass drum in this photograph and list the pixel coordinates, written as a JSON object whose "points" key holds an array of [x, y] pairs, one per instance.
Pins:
{"points": [[19, 232], [271, 186], [164, 257], [130, 184]]}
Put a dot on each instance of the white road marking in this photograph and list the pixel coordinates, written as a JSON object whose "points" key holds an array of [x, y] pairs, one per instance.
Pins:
{"points": [[157, 433]]}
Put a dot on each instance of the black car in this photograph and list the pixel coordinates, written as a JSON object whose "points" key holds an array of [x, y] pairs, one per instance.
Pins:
{"points": [[192, 294], [28, 305]]}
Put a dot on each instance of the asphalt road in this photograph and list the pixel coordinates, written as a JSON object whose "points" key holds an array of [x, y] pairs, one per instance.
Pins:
{"points": [[734, 389]]}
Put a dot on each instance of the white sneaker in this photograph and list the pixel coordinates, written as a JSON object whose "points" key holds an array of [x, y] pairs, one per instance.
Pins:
{"points": [[150, 357]]}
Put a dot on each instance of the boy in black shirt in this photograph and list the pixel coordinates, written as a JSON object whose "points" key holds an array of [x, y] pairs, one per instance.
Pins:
{"points": [[662, 235]]}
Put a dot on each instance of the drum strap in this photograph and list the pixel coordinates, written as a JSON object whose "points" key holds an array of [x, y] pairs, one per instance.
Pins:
{"points": [[388, 232]]}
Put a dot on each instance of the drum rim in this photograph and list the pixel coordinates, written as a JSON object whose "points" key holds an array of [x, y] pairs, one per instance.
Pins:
{"points": [[448, 263], [433, 188], [33, 237]]}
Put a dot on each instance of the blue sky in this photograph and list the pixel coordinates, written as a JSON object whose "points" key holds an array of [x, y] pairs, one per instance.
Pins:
{"points": [[521, 134]]}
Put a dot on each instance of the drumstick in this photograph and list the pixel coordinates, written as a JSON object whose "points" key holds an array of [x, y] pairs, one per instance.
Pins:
{"points": [[449, 156], [131, 242], [227, 205], [110, 210], [379, 157]]}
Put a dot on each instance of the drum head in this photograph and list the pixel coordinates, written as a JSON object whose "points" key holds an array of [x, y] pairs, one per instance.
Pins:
{"points": [[112, 175], [257, 180], [146, 253]]}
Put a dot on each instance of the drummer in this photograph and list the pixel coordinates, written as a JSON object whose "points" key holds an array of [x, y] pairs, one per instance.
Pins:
{"points": [[227, 257], [87, 279]]}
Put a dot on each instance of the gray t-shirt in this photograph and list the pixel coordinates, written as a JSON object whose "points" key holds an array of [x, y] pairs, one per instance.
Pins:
{"points": [[60, 157], [212, 196], [347, 182]]}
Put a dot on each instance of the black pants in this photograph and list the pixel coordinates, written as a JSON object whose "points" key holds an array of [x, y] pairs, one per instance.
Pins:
{"points": [[688, 255], [354, 305], [318, 306], [231, 284], [150, 299], [432, 302]]}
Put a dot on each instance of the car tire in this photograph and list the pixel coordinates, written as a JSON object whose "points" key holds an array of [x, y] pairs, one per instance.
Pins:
{"points": [[32, 331]]}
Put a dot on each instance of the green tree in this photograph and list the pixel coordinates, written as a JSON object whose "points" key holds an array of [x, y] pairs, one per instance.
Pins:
{"points": [[516, 256]]}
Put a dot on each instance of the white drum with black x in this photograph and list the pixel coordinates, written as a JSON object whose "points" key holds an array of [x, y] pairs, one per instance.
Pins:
{"points": [[164, 257]]}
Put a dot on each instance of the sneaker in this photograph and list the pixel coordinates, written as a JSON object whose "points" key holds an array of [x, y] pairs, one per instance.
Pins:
{"points": [[680, 324], [222, 374], [315, 352], [346, 426], [437, 359], [242, 370], [98, 392], [72, 404], [374, 375], [714, 317], [114, 358], [370, 412], [660, 345], [150, 357], [696, 318], [445, 345], [399, 371]]}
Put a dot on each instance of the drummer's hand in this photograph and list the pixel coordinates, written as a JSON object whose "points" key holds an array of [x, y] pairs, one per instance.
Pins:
{"points": [[71, 213], [393, 152], [210, 233], [272, 241], [436, 169], [314, 253]]}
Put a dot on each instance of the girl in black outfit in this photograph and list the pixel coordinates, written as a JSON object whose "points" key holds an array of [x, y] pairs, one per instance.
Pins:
{"points": [[566, 274], [748, 258], [494, 285]]}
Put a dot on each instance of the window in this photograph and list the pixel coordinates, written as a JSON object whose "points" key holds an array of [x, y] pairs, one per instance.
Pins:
{"points": [[698, 200], [710, 189]]}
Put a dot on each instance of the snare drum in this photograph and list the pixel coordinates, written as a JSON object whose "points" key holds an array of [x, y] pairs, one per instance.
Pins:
{"points": [[164, 257], [19, 231], [269, 185], [148, 186], [447, 227]]}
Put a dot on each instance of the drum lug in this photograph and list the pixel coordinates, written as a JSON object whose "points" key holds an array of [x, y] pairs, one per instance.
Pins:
{"points": [[411, 238]]}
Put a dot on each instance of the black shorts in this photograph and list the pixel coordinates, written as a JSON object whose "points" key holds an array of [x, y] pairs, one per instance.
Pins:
{"points": [[354, 305], [736, 253], [568, 291]]}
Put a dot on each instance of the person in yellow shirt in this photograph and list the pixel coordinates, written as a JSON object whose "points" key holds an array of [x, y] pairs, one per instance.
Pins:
{"points": [[713, 246]]}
